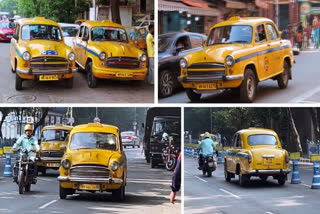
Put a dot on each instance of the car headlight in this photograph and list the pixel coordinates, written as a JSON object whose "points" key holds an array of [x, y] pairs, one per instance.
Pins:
{"points": [[229, 60], [183, 63], [26, 56], [71, 56], [114, 165], [143, 58], [66, 164], [102, 56]]}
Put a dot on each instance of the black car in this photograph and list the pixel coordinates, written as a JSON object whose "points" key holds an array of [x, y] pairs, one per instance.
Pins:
{"points": [[171, 48]]}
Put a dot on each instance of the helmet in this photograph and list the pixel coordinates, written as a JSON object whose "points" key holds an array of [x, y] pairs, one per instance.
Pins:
{"points": [[206, 135], [28, 127]]}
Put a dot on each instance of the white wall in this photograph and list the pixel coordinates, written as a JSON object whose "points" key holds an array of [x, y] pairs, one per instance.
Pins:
{"points": [[125, 15]]}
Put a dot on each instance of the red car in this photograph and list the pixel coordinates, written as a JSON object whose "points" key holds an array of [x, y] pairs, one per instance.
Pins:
{"points": [[6, 30]]}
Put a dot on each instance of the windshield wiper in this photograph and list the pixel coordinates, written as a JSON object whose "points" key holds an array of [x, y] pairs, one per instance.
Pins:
{"points": [[238, 41]]}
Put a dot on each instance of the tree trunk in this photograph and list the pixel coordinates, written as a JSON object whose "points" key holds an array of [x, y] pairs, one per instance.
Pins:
{"points": [[42, 119], [36, 7], [295, 131], [115, 11], [314, 116]]}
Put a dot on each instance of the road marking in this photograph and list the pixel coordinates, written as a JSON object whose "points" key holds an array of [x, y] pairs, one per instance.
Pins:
{"points": [[305, 95], [47, 204], [233, 195], [45, 179], [201, 179], [269, 212], [306, 185]]}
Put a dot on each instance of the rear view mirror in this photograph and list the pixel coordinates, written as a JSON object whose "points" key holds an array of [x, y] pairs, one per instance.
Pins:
{"points": [[15, 36], [63, 148]]}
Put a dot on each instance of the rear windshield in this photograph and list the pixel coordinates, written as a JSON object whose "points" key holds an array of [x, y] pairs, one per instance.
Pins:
{"points": [[127, 133], [94, 140], [6, 25], [54, 134], [262, 139]]}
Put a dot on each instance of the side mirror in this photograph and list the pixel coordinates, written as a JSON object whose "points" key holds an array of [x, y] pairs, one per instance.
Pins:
{"points": [[63, 148], [15, 36]]}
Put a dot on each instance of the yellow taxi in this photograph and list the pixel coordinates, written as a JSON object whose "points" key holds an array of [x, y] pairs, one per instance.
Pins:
{"points": [[38, 52], [256, 152], [94, 160], [212, 136], [104, 51], [51, 139], [238, 53]]}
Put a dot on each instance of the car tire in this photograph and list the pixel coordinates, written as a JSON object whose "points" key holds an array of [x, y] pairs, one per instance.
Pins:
{"points": [[243, 179], [18, 84], [282, 180], [166, 83], [264, 178], [194, 97], [283, 78], [69, 83], [91, 79], [119, 194], [27, 187], [227, 175], [153, 163], [63, 192], [15, 68], [248, 87], [44, 171], [209, 173]]}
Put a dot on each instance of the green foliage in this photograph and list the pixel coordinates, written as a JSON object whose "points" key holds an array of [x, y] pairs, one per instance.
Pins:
{"points": [[9, 6]]}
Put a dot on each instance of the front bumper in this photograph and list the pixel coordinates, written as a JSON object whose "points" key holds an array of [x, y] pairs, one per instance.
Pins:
{"points": [[208, 78], [126, 74], [46, 72], [268, 172], [90, 180]]}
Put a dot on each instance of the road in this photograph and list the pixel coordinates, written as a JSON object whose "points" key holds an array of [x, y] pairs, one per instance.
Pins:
{"points": [[147, 191], [303, 88], [108, 91], [215, 195]]}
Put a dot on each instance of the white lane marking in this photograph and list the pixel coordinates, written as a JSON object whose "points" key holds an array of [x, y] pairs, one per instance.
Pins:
{"points": [[231, 194], [45, 179], [306, 185], [47, 204], [305, 95], [269, 212], [201, 179]]}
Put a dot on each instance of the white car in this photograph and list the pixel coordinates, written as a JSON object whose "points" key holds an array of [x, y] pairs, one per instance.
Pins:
{"points": [[129, 138], [69, 31]]}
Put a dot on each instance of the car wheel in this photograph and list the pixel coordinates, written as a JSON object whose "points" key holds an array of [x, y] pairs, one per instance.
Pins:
{"points": [[209, 173], [227, 175], [282, 180], [243, 179], [264, 178], [283, 78], [119, 194], [18, 83], [69, 82], [63, 192], [91, 79], [248, 87], [44, 171], [166, 83], [153, 163], [194, 97], [27, 187]]}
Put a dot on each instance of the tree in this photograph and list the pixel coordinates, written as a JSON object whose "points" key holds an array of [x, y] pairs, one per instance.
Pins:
{"points": [[295, 132], [115, 11]]}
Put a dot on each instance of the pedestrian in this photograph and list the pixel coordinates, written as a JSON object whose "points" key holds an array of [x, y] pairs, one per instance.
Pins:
{"points": [[299, 35], [291, 35], [176, 180], [315, 31], [150, 49]]}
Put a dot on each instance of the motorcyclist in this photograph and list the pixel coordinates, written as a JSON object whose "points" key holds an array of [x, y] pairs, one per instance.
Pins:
{"points": [[29, 143], [207, 148]]}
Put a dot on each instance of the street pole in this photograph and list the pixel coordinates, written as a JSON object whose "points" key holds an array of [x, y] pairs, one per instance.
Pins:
{"points": [[96, 111], [71, 116], [210, 119], [276, 2], [94, 8]]}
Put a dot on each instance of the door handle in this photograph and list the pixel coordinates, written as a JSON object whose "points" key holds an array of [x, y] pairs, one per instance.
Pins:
{"points": [[268, 45]]}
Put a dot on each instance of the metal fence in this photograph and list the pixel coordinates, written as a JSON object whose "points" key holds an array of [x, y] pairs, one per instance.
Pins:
{"points": [[313, 147]]}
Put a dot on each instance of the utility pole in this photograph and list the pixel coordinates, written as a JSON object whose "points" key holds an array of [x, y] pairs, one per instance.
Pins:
{"points": [[210, 120], [94, 8], [276, 2]]}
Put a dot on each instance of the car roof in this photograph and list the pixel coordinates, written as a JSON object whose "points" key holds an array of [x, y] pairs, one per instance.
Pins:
{"points": [[254, 130], [57, 126], [37, 20], [242, 21], [181, 34], [95, 127], [104, 23], [68, 25]]}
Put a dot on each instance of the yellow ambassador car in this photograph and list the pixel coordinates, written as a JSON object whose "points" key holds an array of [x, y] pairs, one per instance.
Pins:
{"points": [[104, 51], [94, 161], [256, 152], [52, 138], [212, 136], [238, 53], [38, 52]]}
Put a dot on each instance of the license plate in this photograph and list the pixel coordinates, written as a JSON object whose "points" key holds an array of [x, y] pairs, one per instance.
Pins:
{"points": [[268, 161], [120, 74], [206, 86], [210, 164], [89, 186], [48, 77], [53, 164], [9, 36]]}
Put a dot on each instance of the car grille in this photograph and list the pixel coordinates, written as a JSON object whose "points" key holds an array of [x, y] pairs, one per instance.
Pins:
{"points": [[219, 73], [206, 65], [88, 171], [51, 154], [48, 63], [122, 62]]}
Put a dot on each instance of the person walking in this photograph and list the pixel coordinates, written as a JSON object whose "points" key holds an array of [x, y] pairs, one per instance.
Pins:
{"points": [[315, 31], [176, 180], [299, 35], [150, 49]]}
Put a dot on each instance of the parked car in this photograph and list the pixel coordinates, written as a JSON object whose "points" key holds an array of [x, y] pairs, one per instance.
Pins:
{"points": [[6, 30], [256, 152], [69, 31], [129, 138], [94, 160], [238, 53], [38, 52], [172, 47], [104, 51]]}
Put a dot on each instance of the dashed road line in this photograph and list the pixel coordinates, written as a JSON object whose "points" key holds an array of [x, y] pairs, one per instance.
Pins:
{"points": [[269, 212], [201, 179], [231, 194], [304, 96], [47, 204]]}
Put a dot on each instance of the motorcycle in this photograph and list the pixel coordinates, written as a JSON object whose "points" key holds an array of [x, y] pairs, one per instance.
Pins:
{"points": [[23, 175], [209, 165], [170, 153]]}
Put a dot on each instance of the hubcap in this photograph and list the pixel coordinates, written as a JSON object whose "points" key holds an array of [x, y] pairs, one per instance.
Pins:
{"points": [[250, 87], [166, 84]]}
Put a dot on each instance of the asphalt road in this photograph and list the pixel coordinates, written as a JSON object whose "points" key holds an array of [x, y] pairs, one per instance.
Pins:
{"points": [[147, 191], [215, 195], [108, 91], [303, 88]]}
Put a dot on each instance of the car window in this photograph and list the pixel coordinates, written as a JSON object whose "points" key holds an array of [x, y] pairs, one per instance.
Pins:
{"points": [[47, 32], [69, 31], [54, 134], [16, 31], [183, 43], [81, 31], [234, 141], [238, 142], [196, 41], [85, 33], [230, 34], [260, 35], [262, 139], [6, 25], [108, 34], [93, 140], [164, 41], [273, 35]]}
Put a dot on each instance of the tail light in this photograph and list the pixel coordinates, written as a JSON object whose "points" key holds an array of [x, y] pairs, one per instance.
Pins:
{"points": [[130, 137]]}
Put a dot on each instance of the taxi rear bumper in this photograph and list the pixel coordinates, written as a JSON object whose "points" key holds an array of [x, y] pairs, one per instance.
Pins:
{"points": [[268, 172]]}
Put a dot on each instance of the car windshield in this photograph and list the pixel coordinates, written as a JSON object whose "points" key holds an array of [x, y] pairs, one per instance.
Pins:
{"points": [[6, 25], [54, 134], [168, 126], [230, 34], [164, 42], [47, 32], [108, 34], [94, 140], [127, 133], [69, 31], [262, 139]]}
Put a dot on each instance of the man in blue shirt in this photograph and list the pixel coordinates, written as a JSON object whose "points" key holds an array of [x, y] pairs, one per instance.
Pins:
{"points": [[206, 147]]}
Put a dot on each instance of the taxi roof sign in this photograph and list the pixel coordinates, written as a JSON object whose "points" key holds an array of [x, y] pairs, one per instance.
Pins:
{"points": [[234, 18], [315, 158], [295, 156]]}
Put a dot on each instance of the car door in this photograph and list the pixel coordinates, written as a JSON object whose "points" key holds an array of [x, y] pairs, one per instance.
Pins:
{"points": [[76, 47], [232, 158], [275, 43], [14, 45]]}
